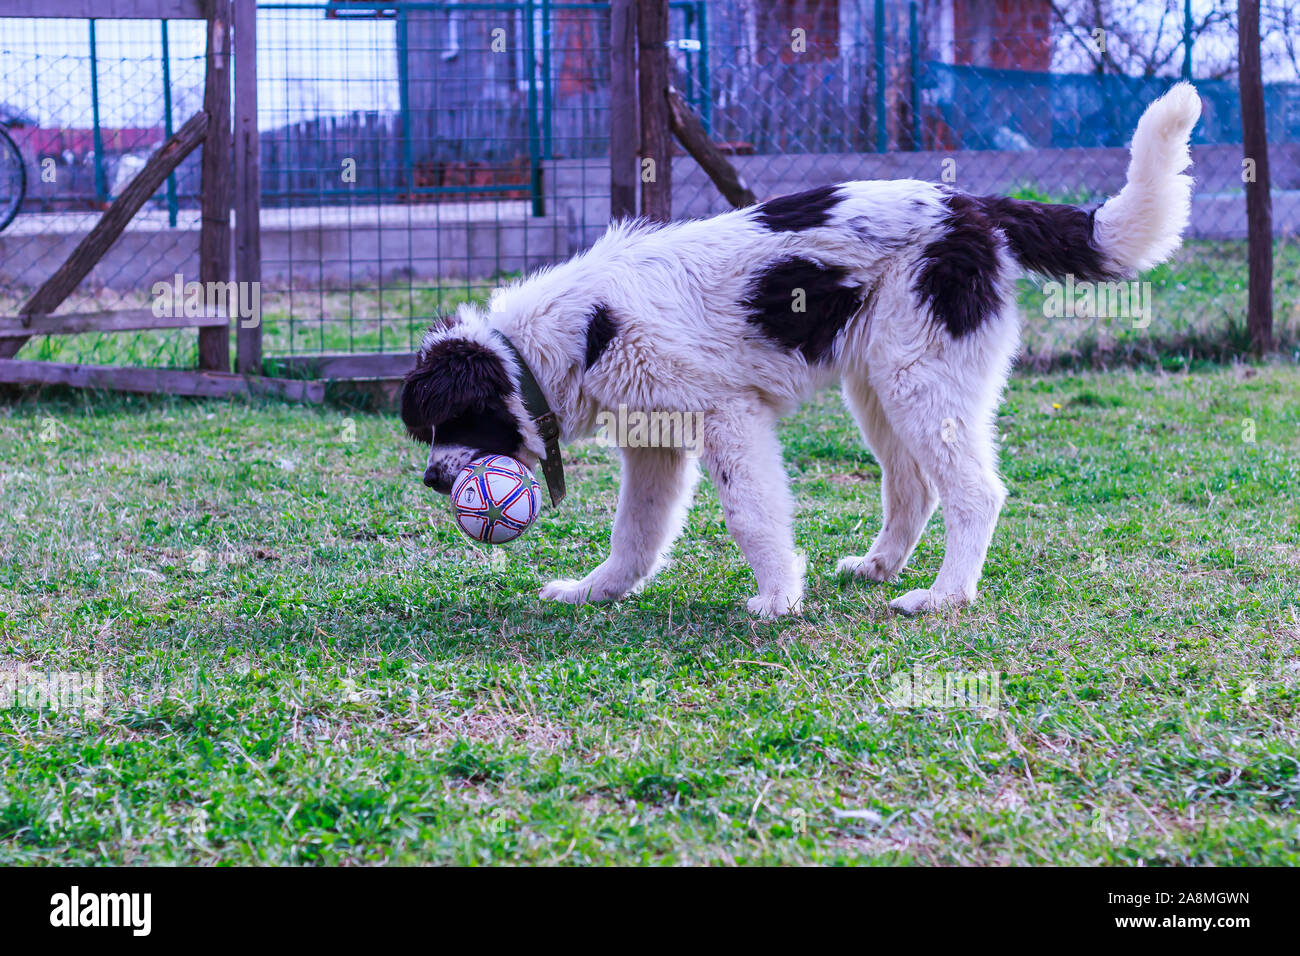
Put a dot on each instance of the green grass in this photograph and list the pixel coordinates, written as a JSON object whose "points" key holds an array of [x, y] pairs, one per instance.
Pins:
{"points": [[1198, 310], [346, 680], [1198, 307]]}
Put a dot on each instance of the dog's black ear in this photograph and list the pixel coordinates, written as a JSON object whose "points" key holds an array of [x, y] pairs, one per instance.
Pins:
{"points": [[455, 377]]}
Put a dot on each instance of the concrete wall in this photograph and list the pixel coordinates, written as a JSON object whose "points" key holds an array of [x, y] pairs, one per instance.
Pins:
{"points": [[305, 256], [1219, 203]]}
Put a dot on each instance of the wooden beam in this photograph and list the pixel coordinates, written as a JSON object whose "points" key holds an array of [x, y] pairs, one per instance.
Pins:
{"points": [[110, 225], [623, 138], [688, 129], [127, 320], [205, 384], [248, 181], [1259, 202], [344, 367], [656, 138], [104, 9], [217, 187]]}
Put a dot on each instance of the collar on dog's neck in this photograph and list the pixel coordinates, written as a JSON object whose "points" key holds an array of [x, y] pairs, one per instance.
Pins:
{"points": [[548, 425]]}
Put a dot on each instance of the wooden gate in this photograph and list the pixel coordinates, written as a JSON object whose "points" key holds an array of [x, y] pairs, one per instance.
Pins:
{"points": [[229, 180]]}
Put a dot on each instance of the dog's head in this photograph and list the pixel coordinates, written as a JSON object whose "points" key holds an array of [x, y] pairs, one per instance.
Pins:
{"points": [[462, 401]]}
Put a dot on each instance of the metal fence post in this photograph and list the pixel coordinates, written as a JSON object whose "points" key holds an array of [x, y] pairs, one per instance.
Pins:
{"points": [[534, 133], [914, 42], [548, 91], [706, 100], [882, 123], [404, 102], [101, 185], [1187, 39], [167, 121]]}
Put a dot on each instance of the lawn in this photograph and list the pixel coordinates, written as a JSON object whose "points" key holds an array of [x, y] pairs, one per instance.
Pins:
{"points": [[303, 662]]}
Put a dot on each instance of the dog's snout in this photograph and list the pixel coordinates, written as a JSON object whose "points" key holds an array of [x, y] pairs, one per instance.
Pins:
{"points": [[435, 479]]}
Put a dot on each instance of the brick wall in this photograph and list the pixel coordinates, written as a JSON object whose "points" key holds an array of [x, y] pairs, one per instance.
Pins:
{"points": [[1006, 34]]}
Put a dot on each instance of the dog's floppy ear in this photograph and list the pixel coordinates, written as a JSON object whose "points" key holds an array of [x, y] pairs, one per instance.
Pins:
{"points": [[454, 377]]}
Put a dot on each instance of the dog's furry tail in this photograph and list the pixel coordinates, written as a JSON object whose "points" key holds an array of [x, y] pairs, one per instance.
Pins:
{"points": [[1134, 230], [1143, 225]]}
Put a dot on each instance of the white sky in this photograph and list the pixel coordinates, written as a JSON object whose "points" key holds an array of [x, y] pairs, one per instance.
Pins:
{"points": [[304, 68]]}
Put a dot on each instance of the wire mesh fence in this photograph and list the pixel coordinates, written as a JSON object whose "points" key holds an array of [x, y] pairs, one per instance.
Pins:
{"points": [[417, 154], [85, 102]]}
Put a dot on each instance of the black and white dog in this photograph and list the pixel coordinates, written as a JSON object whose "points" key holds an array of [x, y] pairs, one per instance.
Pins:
{"points": [[902, 290]]}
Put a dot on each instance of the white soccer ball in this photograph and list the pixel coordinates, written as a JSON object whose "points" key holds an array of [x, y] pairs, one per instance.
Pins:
{"points": [[495, 499]]}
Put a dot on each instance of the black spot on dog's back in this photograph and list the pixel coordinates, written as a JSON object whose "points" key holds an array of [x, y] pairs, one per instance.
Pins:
{"points": [[1049, 238], [601, 329], [799, 211], [800, 304], [959, 275]]}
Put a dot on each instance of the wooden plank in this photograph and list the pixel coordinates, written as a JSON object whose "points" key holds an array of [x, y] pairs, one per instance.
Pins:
{"points": [[104, 9], [110, 225], [204, 384], [127, 320], [217, 184], [690, 133], [623, 140], [1259, 202], [338, 367], [248, 180], [656, 137]]}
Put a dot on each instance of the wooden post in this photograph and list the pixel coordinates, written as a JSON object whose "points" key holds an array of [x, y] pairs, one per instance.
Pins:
{"points": [[623, 141], [214, 225], [689, 130], [1259, 203], [110, 225], [656, 137], [248, 180]]}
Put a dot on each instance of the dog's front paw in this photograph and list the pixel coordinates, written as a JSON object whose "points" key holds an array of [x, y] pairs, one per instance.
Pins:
{"points": [[921, 600], [568, 591], [871, 567], [586, 591], [769, 606]]}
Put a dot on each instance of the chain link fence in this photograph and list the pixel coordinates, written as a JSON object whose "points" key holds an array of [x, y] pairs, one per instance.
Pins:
{"points": [[85, 102], [415, 155]]}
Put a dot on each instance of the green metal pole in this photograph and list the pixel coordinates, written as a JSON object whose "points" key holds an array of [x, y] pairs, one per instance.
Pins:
{"points": [[547, 91], [882, 124], [914, 41], [534, 134], [689, 33], [1187, 39], [167, 121], [101, 185], [404, 101], [706, 100]]}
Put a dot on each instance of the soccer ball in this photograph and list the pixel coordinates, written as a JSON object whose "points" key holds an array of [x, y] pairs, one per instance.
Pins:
{"points": [[495, 499]]}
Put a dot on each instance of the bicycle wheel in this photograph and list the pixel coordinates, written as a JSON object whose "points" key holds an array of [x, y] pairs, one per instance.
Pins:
{"points": [[13, 179]]}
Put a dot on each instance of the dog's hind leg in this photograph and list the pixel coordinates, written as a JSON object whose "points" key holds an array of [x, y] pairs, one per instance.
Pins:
{"points": [[654, 496], [942, 409], [744, 459], [907, 496]]}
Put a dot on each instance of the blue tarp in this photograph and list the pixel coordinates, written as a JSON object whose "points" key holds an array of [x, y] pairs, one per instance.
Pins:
{"points": [[1007, 109]]}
